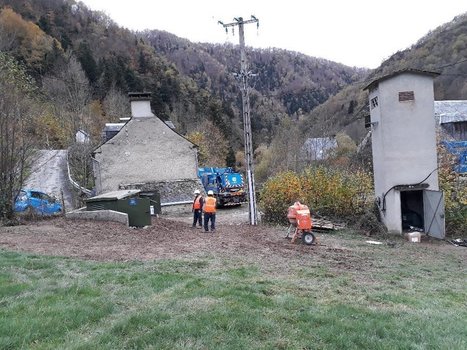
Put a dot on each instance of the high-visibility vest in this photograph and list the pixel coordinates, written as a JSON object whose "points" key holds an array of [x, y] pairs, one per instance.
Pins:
{"points": [[210, 205], [197, 203]]}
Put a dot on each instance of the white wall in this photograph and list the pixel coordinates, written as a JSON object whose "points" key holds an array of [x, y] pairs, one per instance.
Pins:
{"points": [[141, 109], [403, 140]]}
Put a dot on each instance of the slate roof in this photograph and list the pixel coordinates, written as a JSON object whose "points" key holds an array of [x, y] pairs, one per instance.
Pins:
{"points": [[451, 111]]}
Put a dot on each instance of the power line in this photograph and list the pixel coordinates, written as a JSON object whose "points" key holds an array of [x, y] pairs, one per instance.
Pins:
{"points": [[451, 64]]}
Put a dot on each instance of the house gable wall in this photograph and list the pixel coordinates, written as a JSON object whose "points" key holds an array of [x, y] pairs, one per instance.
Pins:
{"points": [[145, 150]]}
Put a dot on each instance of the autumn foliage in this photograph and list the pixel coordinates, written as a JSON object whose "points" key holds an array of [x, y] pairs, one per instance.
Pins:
{"points": [[454, 188], [213, 146], [330, 192], [25, 39]]}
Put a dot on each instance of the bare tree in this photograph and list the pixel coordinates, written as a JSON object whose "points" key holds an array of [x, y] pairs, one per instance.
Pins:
{"points": [[70, 93], [116, 104], [286, 146], [69, 90], [216, 144], [18, 112], [8, 39]]}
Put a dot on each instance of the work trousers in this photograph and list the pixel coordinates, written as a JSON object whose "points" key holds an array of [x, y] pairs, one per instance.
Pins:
{"points": [[197, 217], [209, 217]]}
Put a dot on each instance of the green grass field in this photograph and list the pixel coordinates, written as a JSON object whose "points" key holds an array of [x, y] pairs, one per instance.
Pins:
{"points": [[409, 297]]}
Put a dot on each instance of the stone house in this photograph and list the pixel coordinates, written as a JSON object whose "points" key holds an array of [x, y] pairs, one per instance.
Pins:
{"points": [[148, 155], [404, 152]]}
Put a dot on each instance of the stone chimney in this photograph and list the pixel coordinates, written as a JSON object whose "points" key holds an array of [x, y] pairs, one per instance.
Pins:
{"points": [[140, 104]]}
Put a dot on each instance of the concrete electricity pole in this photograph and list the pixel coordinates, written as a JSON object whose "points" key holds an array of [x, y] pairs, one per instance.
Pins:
{"points": [[244, 74]]}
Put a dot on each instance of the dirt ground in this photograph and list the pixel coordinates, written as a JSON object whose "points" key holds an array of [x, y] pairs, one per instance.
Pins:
{"points": [[173, 237], [169, 236]]}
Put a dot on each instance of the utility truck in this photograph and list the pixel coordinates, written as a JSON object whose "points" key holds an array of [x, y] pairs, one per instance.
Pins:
{"points": [[228, 186]]}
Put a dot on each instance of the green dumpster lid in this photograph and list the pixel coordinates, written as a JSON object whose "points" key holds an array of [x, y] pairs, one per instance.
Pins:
{"points": [[114, 195]]}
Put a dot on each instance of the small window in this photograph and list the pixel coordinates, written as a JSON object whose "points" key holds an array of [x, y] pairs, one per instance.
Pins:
{"points": [[367, 121], [406, 96], [374, 102]]}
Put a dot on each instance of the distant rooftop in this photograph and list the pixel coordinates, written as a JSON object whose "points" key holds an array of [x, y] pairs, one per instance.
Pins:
{"points": [[114, 195], [113, 126], [451, 111]]}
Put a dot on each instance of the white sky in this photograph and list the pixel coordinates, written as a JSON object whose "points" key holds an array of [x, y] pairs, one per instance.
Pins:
{"points": [[359, 33]]}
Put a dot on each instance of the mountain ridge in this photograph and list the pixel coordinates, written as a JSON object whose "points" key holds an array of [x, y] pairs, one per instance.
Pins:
{"points": [[193, 83]]}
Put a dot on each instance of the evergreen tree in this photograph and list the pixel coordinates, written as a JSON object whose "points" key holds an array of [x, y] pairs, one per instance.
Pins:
{"points": [[84, 55]]}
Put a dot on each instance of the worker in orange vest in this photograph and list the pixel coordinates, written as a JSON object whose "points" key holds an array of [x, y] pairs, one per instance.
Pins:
{"points": [[209, 209], [197, 209]]}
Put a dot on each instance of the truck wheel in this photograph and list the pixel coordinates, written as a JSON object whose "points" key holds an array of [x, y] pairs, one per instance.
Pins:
{"points": [[308, 238]]}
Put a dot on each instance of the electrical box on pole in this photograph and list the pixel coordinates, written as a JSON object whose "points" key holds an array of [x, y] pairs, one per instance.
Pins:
{"points": [[244, 75]]}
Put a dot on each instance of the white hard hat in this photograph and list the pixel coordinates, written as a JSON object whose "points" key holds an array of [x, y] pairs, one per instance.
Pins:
{"points": [[210, 193], [197, 192]]}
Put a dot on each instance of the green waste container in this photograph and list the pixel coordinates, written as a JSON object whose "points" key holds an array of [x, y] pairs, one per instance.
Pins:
{"points": [[154, 201], [125, 201]]}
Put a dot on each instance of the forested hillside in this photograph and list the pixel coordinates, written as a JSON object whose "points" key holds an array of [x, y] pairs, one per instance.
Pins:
{"points": [[84, 65], [191, 84], [285, 83], [315, 98]]}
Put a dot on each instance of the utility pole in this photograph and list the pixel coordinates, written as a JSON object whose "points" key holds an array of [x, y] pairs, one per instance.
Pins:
{"points": [[244, 74]]}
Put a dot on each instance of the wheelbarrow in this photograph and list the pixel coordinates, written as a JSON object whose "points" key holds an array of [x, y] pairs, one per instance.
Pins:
{"points": [[300, 224]]}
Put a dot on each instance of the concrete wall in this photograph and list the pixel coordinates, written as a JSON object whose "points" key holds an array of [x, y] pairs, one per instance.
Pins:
{"points": [[145, 150], [403, 140], [98, 215]]}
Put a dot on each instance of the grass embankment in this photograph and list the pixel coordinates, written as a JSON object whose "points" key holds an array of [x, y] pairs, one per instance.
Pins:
{"points": [[409, 297]]}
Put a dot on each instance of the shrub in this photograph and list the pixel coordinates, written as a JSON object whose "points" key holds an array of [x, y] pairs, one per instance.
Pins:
{"points": [[455, 195], [330, 192], [277, 194], [337, 193]]}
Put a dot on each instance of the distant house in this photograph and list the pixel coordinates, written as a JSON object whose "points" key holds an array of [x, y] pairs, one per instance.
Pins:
{"points": [[319, 148], [146, 154], [82, 137], [452, 118]]}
